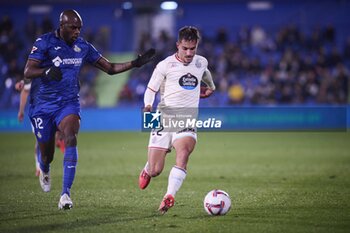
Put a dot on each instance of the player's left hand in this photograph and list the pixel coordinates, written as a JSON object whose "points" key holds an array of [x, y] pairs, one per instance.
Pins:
{"points": [[144, 58], [19, 85], [206, 92], [20, 116], [54, 73]]}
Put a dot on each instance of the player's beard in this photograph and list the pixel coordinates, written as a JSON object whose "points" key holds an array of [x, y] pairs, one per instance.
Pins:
{"points": [[188, 59]]}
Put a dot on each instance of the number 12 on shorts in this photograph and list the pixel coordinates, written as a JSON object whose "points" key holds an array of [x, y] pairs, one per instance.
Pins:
{"points": [[38, 123]]}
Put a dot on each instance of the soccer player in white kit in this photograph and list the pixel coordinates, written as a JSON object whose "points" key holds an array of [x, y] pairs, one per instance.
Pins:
{"points": [[178, 78]]}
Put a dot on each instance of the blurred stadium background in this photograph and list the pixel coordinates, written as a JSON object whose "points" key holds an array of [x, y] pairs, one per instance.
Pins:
{"points": [[261, 53], [282, 57]]}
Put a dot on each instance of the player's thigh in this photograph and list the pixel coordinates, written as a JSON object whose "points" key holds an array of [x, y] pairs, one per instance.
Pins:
{"points": [[70, 124], [160, 141], [184, 144], [68, 119], [184, 140], [44, 127], [159, 145]]}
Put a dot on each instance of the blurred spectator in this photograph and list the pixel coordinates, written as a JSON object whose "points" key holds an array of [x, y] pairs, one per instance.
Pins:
{"points": [[236, 93], [101, 39], [329, 33], [258, 36], [30, 30], [221, 36], [347, 50], [47, 25], [145, 42]]}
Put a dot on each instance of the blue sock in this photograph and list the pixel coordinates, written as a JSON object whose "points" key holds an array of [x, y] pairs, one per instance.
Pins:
{"points": [[44, 167], [69, 167]]}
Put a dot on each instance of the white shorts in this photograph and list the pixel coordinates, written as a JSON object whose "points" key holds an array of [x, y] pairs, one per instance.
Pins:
{"points": [[165, 140]]}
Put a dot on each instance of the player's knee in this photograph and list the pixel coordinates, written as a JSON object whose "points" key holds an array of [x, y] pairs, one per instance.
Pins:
{"points": [[46, 159], [155, 172], [184, 152]]}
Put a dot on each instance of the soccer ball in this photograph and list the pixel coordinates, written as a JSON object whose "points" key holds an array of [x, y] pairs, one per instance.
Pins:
{"points": [[217, 202]]}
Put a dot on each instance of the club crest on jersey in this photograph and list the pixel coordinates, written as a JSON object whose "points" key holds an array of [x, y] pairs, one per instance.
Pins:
{"points": [[198, 63], [77, 49], [188, 81], [173, 64]]}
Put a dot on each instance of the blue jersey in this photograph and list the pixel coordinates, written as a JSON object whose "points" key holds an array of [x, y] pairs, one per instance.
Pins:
{"points": [[50, 50]]}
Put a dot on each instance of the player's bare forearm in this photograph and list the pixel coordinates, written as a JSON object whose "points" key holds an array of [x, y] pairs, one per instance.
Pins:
{"points": [[115, 68], [112, 68], [32, 69], [22, 104]]}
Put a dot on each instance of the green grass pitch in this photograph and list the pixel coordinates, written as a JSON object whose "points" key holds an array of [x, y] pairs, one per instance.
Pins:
{"points": [[278, 182]]}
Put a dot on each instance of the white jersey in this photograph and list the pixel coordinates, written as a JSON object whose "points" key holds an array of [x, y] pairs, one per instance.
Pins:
{"points": [[179, 84]]}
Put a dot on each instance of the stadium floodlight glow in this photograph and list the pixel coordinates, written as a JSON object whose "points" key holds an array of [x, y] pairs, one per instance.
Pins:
{"points": [[127, 5], [259, 5], [168, 5]]}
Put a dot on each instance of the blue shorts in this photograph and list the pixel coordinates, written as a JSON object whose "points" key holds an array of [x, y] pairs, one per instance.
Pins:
{"points": [[46, 124]]}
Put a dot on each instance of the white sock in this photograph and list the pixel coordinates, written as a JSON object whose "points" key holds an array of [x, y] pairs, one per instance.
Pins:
{"points": [[176, 177], [146, 168]]}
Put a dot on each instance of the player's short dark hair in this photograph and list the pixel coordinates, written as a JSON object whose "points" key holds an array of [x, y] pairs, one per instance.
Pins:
{"points": [[189, 33]]}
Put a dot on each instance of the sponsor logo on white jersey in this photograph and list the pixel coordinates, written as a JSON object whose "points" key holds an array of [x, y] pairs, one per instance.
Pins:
{"points": [[188, 81]]}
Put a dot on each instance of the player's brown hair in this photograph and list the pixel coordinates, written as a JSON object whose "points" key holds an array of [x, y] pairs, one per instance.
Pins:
{"points": [[188, 33]]}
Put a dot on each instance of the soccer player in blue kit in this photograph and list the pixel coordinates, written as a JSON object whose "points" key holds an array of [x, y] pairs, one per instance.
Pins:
{"points": [[53, 66]]}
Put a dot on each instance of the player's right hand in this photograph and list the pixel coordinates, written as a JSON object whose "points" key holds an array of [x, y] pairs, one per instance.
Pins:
{"points": [[206, 92], [148, 108], [54, 73]]}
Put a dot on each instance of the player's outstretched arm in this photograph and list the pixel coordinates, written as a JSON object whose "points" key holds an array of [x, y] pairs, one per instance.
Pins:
{"points": [[115, 68]]}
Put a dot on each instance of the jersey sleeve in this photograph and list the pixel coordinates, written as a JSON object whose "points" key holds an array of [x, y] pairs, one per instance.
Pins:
{"points": [[157, 77], [39, 49], [27, 86], [93, 55]]}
